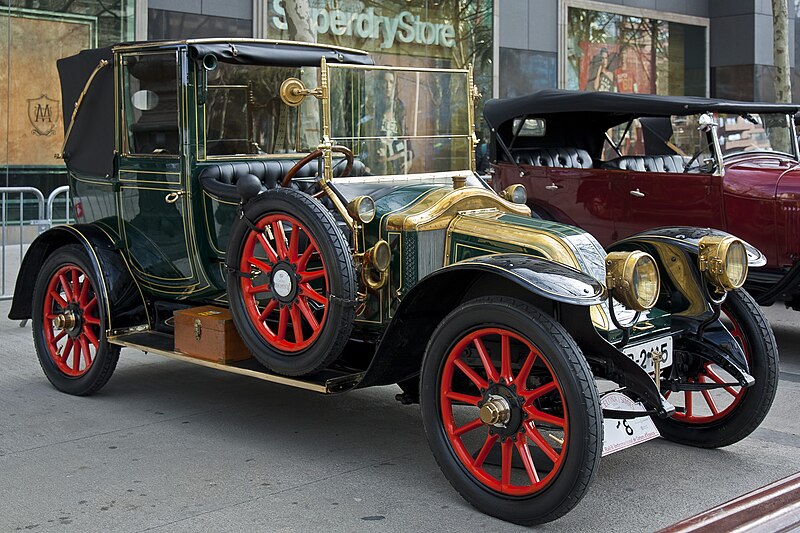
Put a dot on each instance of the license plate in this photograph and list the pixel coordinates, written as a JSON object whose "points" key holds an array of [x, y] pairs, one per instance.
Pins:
{"points": [[640, 353], [625, 432]]}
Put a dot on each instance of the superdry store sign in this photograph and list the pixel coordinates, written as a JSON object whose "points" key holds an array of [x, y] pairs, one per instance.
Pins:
{"points": [[421, 32], [404, 27]]}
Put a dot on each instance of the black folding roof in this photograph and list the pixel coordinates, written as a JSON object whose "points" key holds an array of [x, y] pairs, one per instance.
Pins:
{"points": [[90, 147], [555, 101]]}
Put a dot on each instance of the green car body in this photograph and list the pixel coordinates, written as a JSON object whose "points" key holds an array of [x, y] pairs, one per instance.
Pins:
{"points": [[208, 172]]}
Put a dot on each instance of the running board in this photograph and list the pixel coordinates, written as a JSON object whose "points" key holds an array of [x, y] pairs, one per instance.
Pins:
{"points": [[327, 381]]}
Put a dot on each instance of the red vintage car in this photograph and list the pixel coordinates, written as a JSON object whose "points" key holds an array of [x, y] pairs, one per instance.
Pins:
{"points": [[618, 164]]}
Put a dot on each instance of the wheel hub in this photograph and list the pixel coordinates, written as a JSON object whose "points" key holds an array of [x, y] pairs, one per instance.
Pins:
{"points": [[65, 320], [501, 409], [496, 412], [70, 321], [284, 282]]}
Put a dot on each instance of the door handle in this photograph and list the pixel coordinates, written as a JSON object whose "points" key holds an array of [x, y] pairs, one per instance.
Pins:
{"points": [[552, 187], [172, 197], [637, 193]]}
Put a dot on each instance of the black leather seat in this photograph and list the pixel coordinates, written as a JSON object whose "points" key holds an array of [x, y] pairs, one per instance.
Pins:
{"points": [[553, 157], [647, 163], [220, 179]]}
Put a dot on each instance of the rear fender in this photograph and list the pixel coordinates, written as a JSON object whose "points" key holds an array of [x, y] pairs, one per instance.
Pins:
{"points": [[400, 351], [118, 288]]}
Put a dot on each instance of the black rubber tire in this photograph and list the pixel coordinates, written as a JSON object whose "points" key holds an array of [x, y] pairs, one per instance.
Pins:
{"points": [[337, 257], [107, 354], [757, 399], [583, 409]]}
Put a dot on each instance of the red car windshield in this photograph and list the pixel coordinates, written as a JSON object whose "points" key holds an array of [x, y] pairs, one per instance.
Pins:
{"points": [[755, 133]]}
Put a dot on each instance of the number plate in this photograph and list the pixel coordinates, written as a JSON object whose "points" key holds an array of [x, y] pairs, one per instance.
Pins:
{"points": [[622, 433], [640, 353]]}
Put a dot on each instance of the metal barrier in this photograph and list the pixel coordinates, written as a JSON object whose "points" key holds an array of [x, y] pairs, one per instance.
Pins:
{"points": [[63, 190], [17, 232]]}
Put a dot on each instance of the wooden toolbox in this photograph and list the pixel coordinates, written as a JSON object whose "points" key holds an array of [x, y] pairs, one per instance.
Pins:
{"points": [[208, 333]]}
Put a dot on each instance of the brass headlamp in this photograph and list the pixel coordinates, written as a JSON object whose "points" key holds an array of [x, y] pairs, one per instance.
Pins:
{"points": [[632, 279], [376, 261], [515, 193], [723, 260], [362, 208]]}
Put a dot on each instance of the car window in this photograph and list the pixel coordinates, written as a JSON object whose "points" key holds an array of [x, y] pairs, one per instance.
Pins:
{"points": [[244, 113], [402, 121], [770, 132], [653, 136], [150, 91]]}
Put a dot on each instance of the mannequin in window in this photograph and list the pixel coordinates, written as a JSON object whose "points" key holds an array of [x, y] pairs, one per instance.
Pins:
{"points": [[385, 119], [600, 77]]}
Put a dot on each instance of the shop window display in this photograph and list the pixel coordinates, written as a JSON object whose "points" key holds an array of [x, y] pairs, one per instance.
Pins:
{"points": [[618, 53]]}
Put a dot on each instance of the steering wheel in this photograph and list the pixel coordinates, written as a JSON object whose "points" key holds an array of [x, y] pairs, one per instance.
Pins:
{"points": [[348, 154], [691, 161]]}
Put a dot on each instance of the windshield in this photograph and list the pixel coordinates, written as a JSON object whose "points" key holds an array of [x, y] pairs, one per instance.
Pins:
{"points": [[658, 136], [684, 136], [402, 121], [767, 132], [244, 114]]}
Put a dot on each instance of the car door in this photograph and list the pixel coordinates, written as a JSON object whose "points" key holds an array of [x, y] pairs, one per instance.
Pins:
{"points": [[655, 199], [582, 197], [152, 204]]}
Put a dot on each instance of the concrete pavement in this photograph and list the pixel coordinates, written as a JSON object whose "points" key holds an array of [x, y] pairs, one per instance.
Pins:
{"points": [[169, 446]]}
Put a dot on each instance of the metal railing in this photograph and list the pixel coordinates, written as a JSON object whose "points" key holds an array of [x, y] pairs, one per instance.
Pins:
{"points": [[18, 207]]}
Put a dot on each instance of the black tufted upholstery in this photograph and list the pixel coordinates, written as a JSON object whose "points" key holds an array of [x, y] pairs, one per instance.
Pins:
{"points": [[553, 157], [648, 163], [220, 179]]}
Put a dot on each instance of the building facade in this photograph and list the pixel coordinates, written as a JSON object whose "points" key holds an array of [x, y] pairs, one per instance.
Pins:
{"points": [[717, 48]]}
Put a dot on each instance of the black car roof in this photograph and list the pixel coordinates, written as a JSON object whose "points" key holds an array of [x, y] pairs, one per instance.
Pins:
{"points": [[556, 101], [90, 147], [266, 52]]}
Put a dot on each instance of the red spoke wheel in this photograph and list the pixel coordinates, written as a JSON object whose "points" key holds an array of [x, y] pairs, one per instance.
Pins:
{"points": [[293, 266], [69, 324], [511, 410], [722, 416], [288, 295]]}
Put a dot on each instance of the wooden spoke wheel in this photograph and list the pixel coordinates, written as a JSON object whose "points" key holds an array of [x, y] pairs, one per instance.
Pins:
{"points": [[510, 410], [292, 297], [69, 324], [719, 417]]}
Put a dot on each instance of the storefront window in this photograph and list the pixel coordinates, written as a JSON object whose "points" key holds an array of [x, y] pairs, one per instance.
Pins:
{"points": [[620, 53], [32, 39], [165, 24], [526, 71]]}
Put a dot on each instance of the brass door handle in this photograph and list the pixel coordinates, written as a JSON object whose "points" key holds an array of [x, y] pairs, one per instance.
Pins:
{"points": [[552, 187], [637, 193], [172, 197]]}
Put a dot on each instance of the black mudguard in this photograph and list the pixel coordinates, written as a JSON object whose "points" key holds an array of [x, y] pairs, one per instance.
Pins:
{"points": [[126, 304], [687, 238], [400, 351]]}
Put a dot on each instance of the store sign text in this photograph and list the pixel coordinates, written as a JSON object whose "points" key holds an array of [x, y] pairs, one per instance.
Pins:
{"points": [[404, 27]]}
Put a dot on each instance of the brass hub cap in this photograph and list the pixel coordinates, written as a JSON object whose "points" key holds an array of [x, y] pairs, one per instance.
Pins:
{"points": [[65, 320], [496, 411]]}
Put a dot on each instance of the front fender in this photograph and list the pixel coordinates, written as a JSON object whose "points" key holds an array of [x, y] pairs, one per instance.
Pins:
{"points": [[544, 278], [400, 350], [676, 250], [687, 238], [119, 289]]}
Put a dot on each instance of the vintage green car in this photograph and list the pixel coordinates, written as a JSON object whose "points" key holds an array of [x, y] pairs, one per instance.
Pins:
{"points": [[332, 208]]}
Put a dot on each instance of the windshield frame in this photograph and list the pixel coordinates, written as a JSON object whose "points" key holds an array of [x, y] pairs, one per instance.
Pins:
{"points": [[745, 153], [326, 144]]}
